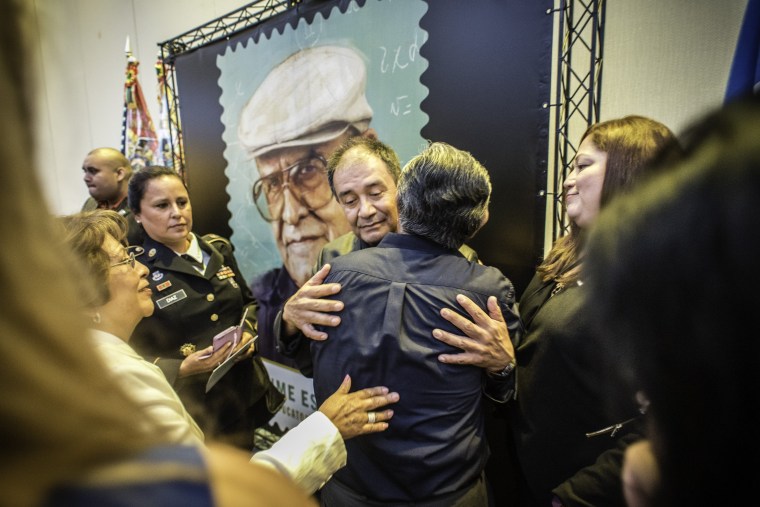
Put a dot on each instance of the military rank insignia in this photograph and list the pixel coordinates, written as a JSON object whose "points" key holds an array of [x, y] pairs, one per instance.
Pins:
{"points": [[225, 272]]}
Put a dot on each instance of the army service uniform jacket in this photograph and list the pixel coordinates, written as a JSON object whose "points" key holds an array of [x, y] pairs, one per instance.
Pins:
{"points": [[190, 308]]}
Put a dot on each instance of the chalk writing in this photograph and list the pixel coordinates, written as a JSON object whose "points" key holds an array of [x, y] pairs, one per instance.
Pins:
{"points": [[401, 106], [401, 57], [309, 34]]}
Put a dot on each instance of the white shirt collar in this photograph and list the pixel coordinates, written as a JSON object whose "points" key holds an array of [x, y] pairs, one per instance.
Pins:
{"points": [[105, 336], [194, 250]]}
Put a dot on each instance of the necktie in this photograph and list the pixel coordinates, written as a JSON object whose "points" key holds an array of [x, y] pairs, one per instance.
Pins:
{"points": [[199, 267]]}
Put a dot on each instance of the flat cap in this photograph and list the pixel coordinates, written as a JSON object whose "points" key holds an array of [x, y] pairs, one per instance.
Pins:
{"points": [[313, 96]]}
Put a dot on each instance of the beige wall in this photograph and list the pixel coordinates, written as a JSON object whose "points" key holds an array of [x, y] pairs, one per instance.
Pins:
{"points": [[82, 63], [668, 59]]}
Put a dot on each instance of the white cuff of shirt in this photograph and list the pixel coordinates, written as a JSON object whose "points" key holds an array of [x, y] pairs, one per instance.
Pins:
{"points": [[309, 454]]}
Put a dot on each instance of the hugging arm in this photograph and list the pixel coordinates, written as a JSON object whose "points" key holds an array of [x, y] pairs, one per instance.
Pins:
{"points": [[488, 341], [294, 325]]}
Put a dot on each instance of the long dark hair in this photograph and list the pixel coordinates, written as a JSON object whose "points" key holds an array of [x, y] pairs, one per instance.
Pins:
{"points": [[631, 143], [139, 182]]}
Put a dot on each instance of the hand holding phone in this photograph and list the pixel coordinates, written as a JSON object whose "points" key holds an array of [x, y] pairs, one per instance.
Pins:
{"points": [[232, 334]]}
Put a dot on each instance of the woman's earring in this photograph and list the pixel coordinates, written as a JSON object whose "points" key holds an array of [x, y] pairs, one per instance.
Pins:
{"points": [[96, 318]]}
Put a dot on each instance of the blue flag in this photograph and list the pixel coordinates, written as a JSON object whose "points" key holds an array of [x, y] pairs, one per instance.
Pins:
{"points": [[744, 78]]}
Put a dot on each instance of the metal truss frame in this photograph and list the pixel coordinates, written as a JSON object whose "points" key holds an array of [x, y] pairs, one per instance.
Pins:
{"points": [[217, 29], [579, 46]]}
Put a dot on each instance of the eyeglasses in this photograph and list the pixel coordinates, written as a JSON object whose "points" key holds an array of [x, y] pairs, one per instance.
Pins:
{"points": [[132, 251], [306, 180]]}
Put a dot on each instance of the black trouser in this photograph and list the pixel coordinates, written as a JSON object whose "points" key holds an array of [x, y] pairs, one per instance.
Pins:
{"points": [[335, 494]]}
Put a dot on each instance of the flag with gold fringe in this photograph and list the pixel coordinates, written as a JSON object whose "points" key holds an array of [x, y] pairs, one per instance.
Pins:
{"points": [[139, 142], [169, 146]]}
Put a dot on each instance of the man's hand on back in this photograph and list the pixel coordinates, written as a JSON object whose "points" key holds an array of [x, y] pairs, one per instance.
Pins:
{"points": [[485, 343], [306, 308]]}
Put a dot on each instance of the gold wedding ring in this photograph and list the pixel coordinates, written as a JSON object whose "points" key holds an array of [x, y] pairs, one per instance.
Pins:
{"points": [[371, 417]]}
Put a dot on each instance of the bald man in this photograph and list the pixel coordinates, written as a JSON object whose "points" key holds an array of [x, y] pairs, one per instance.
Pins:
{"points": [[106, 174]]}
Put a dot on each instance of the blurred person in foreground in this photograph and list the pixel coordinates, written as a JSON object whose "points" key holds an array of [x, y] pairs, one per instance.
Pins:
{"points": [[70, 435], [671, 267]]}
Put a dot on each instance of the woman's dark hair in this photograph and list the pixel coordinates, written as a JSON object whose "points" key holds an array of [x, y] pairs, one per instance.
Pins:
{"points": [[140, 180], [631, 143]]}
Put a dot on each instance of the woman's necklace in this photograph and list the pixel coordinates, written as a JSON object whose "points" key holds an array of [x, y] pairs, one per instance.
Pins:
{"points": [[557, 288], [561, 285]]}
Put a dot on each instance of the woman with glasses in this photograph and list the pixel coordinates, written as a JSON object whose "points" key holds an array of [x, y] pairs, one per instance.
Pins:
{"points": [[70, 435], [198, 292], [117, 296], [120, 300]]}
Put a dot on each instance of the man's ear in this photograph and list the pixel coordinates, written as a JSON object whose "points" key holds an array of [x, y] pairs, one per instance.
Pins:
{"points": [[121, 173]]}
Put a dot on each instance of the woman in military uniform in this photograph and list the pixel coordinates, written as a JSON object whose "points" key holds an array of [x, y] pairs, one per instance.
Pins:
{"points": [[198, 292]]}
